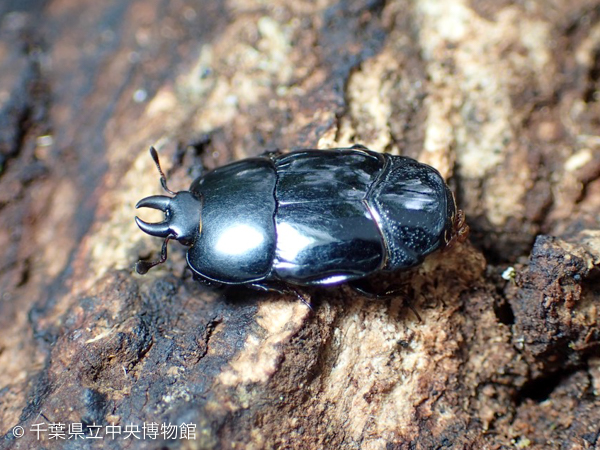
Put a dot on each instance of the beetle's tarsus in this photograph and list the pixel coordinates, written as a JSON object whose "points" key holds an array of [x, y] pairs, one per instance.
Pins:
{"points": [[459, 232], [142, 267], [412, 308], [388, 294], [272, 154], [301, 298], [361, 290], [284, 290]]}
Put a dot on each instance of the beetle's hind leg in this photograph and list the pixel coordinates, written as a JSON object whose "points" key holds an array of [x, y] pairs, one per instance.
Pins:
{"points": [[359, 147], [282, 289], [403, 291], [272, 154]]}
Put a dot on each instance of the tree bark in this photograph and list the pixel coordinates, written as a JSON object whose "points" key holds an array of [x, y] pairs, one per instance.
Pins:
{"points": [[491, 344]]}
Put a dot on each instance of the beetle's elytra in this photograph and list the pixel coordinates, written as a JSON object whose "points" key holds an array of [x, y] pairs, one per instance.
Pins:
{"points": [[309, 217]]}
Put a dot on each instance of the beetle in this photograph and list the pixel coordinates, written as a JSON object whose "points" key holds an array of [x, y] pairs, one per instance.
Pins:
{"points": [[308, 217]]}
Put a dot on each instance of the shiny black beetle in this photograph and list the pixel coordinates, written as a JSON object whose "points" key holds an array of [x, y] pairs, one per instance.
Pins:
{"points": [[309, 217]]}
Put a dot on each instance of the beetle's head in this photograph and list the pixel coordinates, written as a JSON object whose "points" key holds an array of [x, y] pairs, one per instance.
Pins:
{"points": [[182, 220], [182, 216]]}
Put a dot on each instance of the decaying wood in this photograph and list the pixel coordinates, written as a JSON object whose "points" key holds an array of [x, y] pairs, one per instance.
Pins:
{"points": [[502, 97]]}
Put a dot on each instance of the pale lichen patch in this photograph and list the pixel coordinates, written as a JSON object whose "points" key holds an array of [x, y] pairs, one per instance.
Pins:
{"points": [[472, 111], [261, 355], [380, 355]]}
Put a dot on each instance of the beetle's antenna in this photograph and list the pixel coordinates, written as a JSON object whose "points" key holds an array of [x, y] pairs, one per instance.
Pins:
{"points": [[143, 267], [163, 178]]}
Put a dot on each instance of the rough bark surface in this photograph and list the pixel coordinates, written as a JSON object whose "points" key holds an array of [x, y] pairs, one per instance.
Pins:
{"points": [[502, 97]]}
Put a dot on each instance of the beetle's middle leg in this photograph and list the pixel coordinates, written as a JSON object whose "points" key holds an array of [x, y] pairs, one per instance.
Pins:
{"points": [[282, 289]]}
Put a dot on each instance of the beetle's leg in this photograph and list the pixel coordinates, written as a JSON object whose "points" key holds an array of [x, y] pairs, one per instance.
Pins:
{"points": [[375, 295], [206, 282], [460, 230], [360, 290], [301, 298], [284, 290], [384, 296], [143, 267], [272, 154]]}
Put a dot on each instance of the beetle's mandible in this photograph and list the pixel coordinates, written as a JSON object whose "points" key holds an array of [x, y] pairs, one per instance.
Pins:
{"points": [[309, 217]]}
